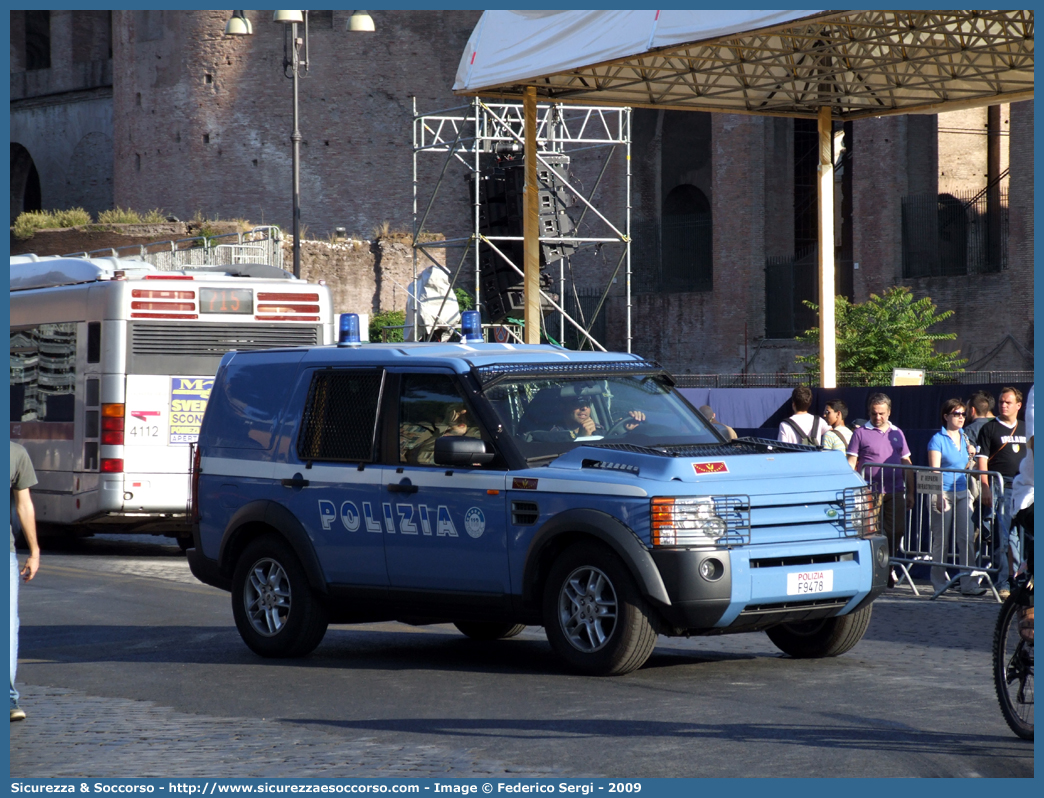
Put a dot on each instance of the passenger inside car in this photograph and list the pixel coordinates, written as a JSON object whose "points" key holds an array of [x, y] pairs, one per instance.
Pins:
{"points": [[417, 439]]}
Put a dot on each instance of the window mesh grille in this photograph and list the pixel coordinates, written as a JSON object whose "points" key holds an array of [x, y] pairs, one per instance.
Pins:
{"points": [[341, 416], [216, 339]]}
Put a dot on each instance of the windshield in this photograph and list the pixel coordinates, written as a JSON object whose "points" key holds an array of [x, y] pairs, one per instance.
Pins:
{"points": [[550, 416]]}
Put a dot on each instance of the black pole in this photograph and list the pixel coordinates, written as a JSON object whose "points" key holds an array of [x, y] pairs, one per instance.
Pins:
{"points": [[295, 138], [993, 208]]}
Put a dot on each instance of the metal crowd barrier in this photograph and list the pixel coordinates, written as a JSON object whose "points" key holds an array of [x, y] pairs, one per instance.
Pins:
{"points": [[262, 244], [946, 529]]}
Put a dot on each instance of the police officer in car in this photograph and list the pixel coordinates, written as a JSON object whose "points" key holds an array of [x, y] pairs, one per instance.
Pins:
{"points": [[576, 421]]}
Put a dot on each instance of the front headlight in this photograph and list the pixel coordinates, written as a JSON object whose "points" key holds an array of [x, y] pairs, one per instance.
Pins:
{"points": [[686, 522], [860, 519]]}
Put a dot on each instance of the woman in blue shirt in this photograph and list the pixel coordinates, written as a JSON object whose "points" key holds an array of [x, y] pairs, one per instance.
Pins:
{"points": [[950, 527]]}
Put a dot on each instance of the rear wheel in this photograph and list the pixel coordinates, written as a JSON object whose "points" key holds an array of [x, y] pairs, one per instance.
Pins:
{"points": [[594, 616], [491, 630], [276, 610], [827, 637], [1013, 670]]}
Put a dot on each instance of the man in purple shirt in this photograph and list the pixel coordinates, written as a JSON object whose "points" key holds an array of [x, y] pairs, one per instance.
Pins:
{"points": [[882, 442]]}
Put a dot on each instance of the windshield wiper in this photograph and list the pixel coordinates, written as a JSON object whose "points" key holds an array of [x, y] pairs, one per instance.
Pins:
{"points": [[548, 457]]}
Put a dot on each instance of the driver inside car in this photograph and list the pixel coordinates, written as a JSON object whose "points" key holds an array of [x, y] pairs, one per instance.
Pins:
{"points": [[575, 420]]}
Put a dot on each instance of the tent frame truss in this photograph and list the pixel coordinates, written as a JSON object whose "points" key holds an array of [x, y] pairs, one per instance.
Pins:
{"points": [[464, 134], [862, 64]]}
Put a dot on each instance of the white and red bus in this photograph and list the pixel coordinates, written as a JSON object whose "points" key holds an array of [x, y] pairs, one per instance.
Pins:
{"points": [[112, 361]]}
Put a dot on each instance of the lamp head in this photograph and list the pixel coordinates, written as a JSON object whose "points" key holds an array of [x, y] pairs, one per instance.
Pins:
{"points": [[238, 25], [287, 17], [361, 21]]}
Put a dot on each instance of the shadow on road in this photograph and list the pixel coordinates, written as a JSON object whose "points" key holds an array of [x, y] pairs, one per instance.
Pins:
{"points": [[850, 733], [355, 648]]}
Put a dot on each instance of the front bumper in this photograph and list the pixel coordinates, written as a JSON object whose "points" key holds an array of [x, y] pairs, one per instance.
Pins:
{"points": [[751, 591]]}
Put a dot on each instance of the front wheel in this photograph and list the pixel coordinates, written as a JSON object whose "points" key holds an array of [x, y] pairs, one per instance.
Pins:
{"points": [[827, 637], [276, 611], [594, 616], [1013, 669]]}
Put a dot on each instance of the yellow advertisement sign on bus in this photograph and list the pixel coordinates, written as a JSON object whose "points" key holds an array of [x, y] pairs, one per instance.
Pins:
{"points": [[188, 400]]}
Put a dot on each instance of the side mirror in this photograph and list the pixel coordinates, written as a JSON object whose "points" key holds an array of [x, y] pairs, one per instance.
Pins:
{"points": [[458, 450]]}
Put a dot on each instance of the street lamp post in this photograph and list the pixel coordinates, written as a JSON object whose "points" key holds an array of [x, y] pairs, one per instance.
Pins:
{"points": [[294, 61], [239, 25]]}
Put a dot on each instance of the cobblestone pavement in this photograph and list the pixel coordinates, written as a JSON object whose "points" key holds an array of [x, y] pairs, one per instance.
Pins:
{"points": [[68, 734], [71, 735]]}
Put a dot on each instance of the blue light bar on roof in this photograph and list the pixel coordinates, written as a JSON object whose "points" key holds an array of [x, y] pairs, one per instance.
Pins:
{"points": [[488, 375], [471, 327]]}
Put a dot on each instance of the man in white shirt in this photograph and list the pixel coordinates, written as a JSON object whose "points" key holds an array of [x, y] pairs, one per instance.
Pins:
{"points": [[802, 427]]}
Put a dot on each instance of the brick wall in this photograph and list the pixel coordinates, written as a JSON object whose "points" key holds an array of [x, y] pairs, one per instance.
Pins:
{"points": [[877, 202], [61, 117], [704, 331], [203, 121], [993, 313], [364, 277], [962, 148]]}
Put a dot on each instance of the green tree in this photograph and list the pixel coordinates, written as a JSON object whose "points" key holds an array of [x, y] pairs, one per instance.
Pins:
{"points": [[465, 301], [387, 318], [886, 332]]}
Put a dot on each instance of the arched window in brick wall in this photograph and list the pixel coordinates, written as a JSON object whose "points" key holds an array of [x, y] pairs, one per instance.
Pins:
{"points": [[25, 182], [686, 249]]}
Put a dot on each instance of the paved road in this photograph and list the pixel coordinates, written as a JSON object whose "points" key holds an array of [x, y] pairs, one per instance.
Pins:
{"points": [[132, 668]]}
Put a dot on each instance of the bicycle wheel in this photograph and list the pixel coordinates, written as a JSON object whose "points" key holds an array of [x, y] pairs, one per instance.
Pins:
{"points": [[1013, 670]]}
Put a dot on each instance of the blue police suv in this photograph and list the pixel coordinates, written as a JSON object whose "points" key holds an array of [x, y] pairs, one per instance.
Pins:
{"points": [[493, 486]]}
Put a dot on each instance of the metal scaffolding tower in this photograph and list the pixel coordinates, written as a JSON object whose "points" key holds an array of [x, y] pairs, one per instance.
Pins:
{"points": [[464, 134]]}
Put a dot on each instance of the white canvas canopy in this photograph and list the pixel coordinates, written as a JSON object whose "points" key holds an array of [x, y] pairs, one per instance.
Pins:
{"points": [[827, 65], [860, 63]]}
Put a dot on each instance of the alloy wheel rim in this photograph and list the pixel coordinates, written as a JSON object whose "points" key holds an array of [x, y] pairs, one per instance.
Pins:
{"points": [[266, 597], [588, 609]]}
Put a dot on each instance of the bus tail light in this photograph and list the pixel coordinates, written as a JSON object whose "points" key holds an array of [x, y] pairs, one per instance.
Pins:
{"points": [[112, 426], [112, 465]]}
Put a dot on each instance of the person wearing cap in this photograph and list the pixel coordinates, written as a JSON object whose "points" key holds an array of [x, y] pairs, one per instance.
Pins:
{"points": [[575, 420], [417, 442], [728, 432], [578, 421]]}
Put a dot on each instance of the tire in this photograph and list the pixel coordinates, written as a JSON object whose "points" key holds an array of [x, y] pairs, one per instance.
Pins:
{"points": [[827, 637], [294, 622], [1013, 670], [489, 630], [594, 616]]}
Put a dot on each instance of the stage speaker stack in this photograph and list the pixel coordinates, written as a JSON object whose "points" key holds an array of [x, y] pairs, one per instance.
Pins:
{"points": [[501, 208]]}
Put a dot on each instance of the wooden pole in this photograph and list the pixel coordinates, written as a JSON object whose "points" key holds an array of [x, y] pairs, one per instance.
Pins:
{"points": [[827, 334], [531, 221]]}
